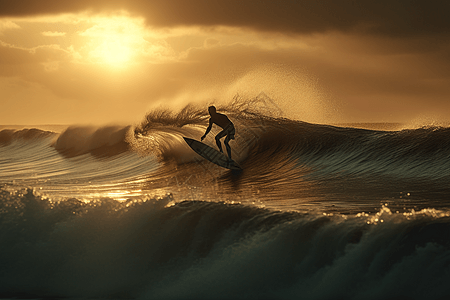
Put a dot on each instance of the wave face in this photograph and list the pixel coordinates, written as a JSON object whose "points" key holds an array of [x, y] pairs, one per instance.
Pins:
{"points": [[318, 212]]}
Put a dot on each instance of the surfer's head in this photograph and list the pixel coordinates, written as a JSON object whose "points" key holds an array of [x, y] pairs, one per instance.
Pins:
{"points": [[212, 109]]}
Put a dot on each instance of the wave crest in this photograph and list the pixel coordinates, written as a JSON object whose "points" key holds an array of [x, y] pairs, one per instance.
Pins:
{"points": [[100, 142], [7, 136], [261, 107]]}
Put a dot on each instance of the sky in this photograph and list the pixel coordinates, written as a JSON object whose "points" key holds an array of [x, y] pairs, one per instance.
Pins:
{"points": [[321, 61]]}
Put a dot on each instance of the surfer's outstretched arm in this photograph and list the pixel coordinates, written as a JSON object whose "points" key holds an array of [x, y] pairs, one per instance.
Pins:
{"points": [[207, 130]]}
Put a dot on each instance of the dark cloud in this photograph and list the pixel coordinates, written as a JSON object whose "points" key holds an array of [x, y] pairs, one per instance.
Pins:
{"points": [[385, 17]]}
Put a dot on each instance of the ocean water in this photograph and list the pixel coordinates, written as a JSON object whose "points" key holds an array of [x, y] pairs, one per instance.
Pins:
{"points": [[318, 212]]}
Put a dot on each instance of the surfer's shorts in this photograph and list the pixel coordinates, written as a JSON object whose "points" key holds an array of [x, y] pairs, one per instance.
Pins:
{"points": [[228, 131]]}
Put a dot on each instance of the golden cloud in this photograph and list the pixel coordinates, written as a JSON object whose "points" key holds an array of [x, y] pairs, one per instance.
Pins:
{"points": [[53, 33]]}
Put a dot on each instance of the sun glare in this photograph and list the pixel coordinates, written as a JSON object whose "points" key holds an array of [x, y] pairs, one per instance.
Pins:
{"points": [[115, 41], [112, 52], [106, 40]]}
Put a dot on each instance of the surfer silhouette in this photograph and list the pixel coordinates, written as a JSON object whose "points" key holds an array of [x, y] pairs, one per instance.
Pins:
{"points": [[222, 121]]}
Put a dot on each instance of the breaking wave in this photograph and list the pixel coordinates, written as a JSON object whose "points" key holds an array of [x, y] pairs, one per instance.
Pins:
{"points": [[158, 249]]}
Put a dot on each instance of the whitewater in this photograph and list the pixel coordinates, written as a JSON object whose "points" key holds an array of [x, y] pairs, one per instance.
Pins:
{"points": [[318, 212]]}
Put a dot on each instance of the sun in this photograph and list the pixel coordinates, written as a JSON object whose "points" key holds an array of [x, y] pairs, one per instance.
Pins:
{"points": [[113, 52], [114, 41]]}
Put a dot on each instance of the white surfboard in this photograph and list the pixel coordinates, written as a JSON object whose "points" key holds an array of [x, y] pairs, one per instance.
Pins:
{"points": [[212, 154]]}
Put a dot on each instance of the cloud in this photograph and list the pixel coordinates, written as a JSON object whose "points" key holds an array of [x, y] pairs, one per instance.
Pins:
{"points": [[211, 42], [383, 17], [17, 55], [7, 24], [374, 59], [53, 33], [360, 73]]}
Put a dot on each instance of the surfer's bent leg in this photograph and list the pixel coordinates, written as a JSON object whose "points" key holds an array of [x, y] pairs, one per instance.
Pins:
{"points": [[218, 137], [227, 139]]}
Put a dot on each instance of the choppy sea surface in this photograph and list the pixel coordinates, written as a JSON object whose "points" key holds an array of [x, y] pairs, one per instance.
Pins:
{"points": [[318, 212]]}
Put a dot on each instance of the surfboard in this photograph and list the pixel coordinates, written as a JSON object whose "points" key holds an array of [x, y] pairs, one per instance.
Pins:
{"points": [[212, 154]]}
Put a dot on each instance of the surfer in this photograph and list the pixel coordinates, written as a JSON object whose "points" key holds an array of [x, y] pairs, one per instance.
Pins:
{"points": [[222, 121]]}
